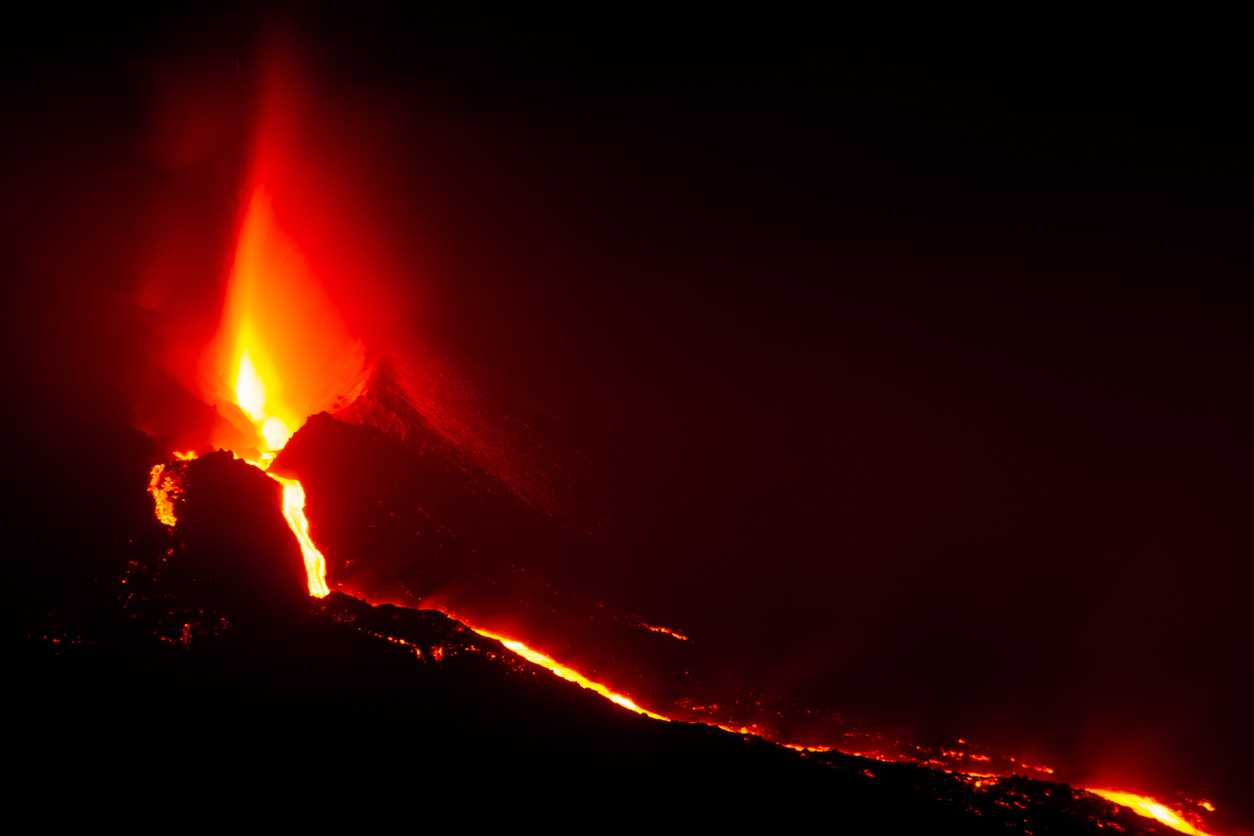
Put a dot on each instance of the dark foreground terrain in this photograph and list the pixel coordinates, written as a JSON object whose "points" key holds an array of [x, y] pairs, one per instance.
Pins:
{"points": [[176, 675]]}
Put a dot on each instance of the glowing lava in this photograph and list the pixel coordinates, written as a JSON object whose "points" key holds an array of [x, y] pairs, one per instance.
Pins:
{"points": [[668, 631], [164, 491], [250, 394], [281, 354], [570, 675], [1150, 808], [294, 512]]}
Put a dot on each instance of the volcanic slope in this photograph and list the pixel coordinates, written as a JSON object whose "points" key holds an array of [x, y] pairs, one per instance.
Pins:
{"points": [[165, 670]]}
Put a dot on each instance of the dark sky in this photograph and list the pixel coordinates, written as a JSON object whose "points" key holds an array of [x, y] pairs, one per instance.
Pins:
{"points": [[914, 359]]}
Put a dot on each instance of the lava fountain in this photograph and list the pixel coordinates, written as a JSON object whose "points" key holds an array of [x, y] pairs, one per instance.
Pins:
{"points": [[254, 391]]}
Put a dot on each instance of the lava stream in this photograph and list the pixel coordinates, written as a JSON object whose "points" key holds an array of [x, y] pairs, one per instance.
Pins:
{"points": [[1143, 805], [165, 488], [569, 674], [294, 512]]}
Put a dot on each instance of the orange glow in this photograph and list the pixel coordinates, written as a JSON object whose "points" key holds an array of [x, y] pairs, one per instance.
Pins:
{"points": [[668, 631], [164, 490], [800, 748], [1150, 808], [281, 352], [570, 675], [286, 354], [294, 511]]}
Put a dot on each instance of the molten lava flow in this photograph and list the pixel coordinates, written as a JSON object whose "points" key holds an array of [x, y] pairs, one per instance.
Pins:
{"points": [[164, 490], [269, 282], [164, 487], [294, 511], [281, 352], [668, 631], [570, 675], [1151, 809], [250, 394]]}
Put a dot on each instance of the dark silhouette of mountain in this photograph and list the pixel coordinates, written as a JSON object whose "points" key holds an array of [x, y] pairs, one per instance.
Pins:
{"points": [[169, 668]]}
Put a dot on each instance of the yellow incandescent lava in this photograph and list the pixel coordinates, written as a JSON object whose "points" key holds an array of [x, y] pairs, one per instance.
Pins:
{"points": [[294, 511], [162, 488], [538, 658], [1151, 809]]}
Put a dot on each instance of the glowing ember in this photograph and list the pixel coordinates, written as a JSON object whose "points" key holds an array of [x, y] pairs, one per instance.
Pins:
{"points": [[164, 490], [537, 658], [668, 631], [1150, 808]]}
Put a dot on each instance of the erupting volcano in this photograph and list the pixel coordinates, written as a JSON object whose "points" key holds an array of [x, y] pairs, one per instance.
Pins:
{"points": [[622, 440]]}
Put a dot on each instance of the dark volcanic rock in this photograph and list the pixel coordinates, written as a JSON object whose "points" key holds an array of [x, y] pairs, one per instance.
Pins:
{"points": [[382, 511], [231, 517], [424, 529], [338, 708]]}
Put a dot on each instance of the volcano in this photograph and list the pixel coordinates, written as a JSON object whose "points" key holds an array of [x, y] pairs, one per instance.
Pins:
{"points": [[740, 421], [199, 662], [198, 638]]}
